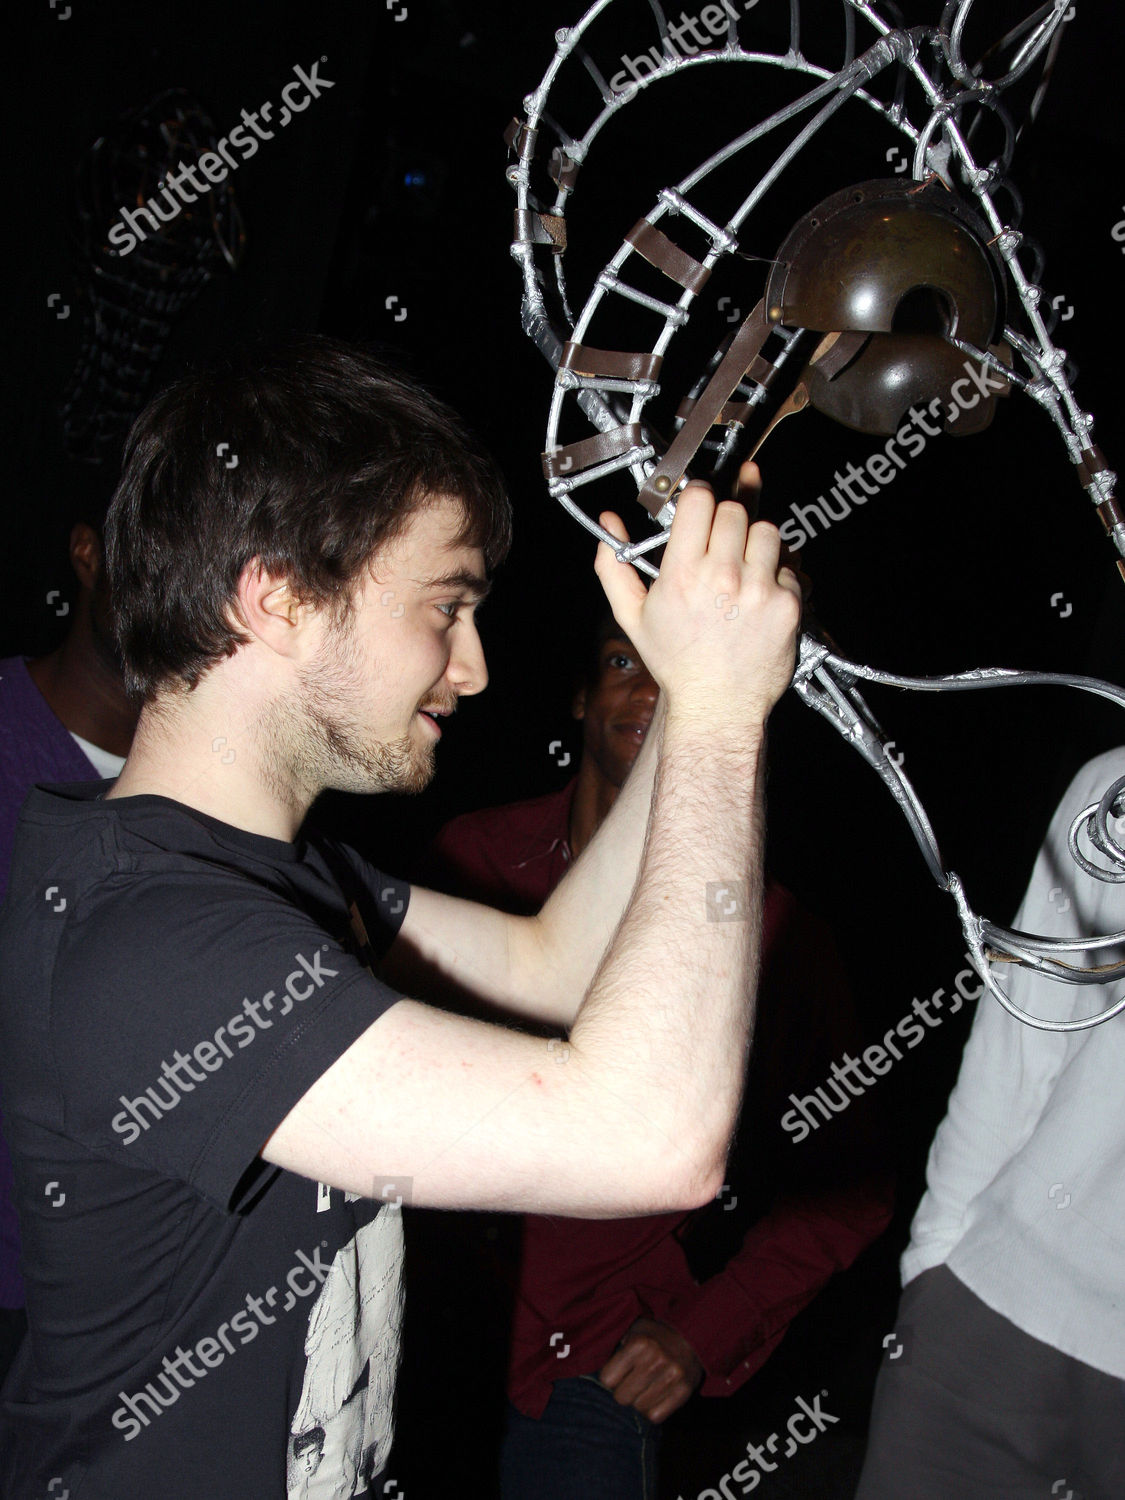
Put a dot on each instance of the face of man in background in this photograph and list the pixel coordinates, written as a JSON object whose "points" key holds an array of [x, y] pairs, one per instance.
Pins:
{"points": [[616, 709]]}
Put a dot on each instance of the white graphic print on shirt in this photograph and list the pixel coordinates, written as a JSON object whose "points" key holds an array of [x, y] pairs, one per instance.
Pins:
{"points": [[344, 1423]]}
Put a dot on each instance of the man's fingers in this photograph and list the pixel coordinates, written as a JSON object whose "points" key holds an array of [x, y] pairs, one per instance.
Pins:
{"points": [[763, 547], [691, 525], [623, 585], [749, 481], [646, 1381], [618, 1364], [672, 1399], [728, 531]]}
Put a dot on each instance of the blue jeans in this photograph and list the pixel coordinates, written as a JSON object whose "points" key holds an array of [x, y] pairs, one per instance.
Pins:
{"points": [[584, 1447]]}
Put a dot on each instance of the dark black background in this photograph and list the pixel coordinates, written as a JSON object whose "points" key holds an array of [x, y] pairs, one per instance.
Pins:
{"points": [[952, 566]]}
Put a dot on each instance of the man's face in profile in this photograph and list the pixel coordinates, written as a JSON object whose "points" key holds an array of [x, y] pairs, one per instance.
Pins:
{"points": [[365, 712]]}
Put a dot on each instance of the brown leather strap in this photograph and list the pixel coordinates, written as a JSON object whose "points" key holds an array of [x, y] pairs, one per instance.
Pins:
{"points": [[745, 347], [762, 372], [797, 400], [736, 413], [517, 135], [733, 411], [540, 229], [592, 450], [613, 363], [1109, 513], [667, 256], [1092, 462]]}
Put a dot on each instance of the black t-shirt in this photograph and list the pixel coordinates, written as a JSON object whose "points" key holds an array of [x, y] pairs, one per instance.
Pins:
{"points": [[201, 1324]]}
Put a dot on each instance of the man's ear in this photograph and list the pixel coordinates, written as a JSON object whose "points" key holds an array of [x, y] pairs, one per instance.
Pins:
{"points": [[85, 554], [267, 606], [578, 703]]}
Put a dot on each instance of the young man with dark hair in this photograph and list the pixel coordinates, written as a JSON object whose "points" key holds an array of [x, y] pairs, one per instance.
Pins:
{"points": [[215, 1107]]}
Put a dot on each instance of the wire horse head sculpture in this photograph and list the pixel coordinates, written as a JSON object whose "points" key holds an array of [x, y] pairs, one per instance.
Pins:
{"points": [[848, 354]]}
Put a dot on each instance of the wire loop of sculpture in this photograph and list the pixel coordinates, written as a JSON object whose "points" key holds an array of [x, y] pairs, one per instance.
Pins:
{"points": [[730, 407]]}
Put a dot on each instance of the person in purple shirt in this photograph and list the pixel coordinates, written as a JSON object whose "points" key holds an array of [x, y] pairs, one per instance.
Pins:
{"points": [[63, 717]]}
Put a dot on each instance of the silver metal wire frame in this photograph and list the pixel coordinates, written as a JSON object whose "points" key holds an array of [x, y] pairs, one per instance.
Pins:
{"points": [[824, 681]]}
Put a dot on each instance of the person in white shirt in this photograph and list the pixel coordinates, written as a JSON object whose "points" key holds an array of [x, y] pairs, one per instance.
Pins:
{"points": [[1007, 1372]]}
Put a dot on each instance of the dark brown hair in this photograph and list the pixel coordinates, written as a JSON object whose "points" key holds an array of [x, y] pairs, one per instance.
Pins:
{"points": [[310, 455]]}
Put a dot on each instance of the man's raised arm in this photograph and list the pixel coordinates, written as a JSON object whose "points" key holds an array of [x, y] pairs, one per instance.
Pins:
{"points": [[638, 1115], [541, 967]]}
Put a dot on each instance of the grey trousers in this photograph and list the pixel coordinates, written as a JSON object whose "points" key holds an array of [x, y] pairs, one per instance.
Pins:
{"points": [[968, 1407]]}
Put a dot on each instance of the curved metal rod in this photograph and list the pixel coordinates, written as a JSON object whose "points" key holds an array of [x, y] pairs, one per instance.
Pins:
{"points": [[816, 662]]}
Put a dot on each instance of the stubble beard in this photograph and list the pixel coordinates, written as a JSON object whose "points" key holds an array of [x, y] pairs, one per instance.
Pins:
{"points": [[315, 739]]}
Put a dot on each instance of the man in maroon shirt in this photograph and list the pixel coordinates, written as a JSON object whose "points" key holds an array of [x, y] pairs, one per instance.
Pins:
{"points": [[611, 1332]]}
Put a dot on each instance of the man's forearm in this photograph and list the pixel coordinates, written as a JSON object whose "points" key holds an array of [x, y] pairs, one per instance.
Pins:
{"points": [[581, 915], [666, 1024]]}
